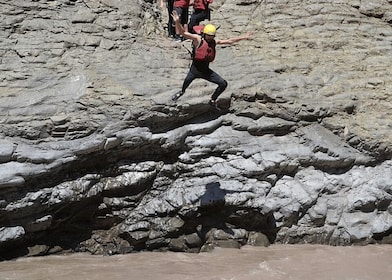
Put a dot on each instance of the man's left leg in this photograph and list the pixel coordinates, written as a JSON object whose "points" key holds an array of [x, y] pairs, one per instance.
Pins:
{"points": [[222, 85]]}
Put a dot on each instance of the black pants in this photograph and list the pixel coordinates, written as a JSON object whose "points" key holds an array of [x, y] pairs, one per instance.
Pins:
{"points": [[204, 72], [183, 13], [170, 24], [197, 17]]}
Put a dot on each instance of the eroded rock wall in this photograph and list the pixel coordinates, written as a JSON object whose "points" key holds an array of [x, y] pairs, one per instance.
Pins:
{"points": [[94, 155]]}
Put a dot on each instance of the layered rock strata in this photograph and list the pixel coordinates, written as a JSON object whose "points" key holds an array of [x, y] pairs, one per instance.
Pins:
{"points": [[94, 156]]}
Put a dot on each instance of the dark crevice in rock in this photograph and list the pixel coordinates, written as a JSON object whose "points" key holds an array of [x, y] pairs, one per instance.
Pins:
{"points": [[116, 167], [384, 237], [72, 224], [164, 122]]}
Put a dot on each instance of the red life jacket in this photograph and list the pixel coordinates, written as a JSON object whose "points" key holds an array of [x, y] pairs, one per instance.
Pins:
{"points": [[200, 5], [205, 52], [181, 3]]}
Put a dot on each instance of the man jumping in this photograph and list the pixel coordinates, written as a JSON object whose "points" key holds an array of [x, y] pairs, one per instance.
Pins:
{"points": [[203, 55]]}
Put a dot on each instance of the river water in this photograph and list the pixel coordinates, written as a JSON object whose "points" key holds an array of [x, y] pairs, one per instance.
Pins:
{"points": [[277, 262]]}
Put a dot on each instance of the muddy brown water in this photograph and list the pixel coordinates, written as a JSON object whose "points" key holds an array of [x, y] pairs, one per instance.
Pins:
{"points": [[276, 262]]}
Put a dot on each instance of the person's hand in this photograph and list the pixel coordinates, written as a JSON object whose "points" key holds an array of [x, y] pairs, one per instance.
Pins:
{"points": [[162, 4], [248, 35], [175, 16]]}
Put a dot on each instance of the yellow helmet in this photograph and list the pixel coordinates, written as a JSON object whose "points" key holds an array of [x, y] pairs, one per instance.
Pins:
{"points": [[209, 29]]}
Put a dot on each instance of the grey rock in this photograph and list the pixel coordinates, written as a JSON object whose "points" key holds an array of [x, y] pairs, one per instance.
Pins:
{"points": [[40, 224], [6, 150], [94, 152], [11, 234], [258, 239]]}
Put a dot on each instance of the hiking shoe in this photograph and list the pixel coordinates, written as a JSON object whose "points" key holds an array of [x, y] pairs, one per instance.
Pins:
{"points": [[177, 38], [176, 96], [214, 104]]}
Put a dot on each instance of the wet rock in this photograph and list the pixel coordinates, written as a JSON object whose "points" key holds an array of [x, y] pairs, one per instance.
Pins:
{"points": [[258, 239]]}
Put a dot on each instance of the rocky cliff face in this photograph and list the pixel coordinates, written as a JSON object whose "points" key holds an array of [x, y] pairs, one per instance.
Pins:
{"points": [[94, 155]]}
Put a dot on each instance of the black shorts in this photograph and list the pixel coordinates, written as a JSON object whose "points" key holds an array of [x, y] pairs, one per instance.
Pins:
{"points": [[183, 14]]}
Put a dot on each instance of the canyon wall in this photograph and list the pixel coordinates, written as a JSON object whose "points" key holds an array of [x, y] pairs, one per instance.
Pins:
{"points": [[95, 157]]}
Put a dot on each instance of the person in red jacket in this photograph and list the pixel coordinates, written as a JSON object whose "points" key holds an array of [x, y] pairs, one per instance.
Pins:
{"points": [[182, 9], [204, 54], [201, 11]]}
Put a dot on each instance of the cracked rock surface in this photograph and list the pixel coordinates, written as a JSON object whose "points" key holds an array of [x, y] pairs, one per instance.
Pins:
{"points": [[95, 157]]}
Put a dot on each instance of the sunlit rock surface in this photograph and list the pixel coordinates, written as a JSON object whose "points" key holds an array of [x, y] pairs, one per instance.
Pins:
{"points": [[94, 155]]}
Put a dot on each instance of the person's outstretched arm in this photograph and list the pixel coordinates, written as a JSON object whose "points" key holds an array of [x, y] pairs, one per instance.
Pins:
{"points": [[235, 39], [194, 37]]}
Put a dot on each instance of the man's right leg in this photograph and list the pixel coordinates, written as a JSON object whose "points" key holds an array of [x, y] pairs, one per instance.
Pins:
{"points": [[170, 27], [188, 80], [177, 36]]}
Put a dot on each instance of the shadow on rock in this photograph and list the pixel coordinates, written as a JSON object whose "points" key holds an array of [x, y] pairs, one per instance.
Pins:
{"points": [[219, 224], [213, 196]]}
